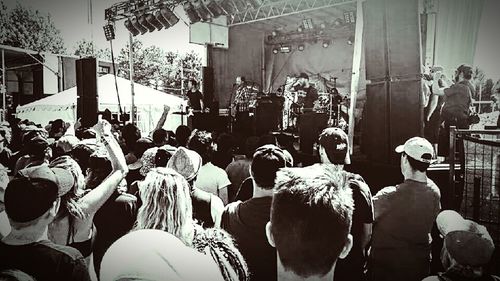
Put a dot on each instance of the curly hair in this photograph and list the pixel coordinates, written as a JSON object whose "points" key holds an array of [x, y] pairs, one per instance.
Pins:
{"points": [[166, 204], [201, 142], [221, 247], [69, 201]]}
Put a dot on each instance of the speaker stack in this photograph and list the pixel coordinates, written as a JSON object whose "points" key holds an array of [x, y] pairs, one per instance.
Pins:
{"points": [[86, 91]]}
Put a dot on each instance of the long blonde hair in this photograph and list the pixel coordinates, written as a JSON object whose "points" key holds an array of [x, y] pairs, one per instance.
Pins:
{"points": [[166, 204]]}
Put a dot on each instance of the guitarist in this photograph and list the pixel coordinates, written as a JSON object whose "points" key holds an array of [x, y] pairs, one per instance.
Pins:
{"points": [[195, 103]]}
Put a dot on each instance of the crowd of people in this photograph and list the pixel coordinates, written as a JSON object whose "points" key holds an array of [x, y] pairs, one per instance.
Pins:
{"points": [[105, 203]]}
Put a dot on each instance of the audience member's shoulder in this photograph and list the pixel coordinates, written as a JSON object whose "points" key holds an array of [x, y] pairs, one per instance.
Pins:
{"points": [[433, 186], [126, 198], [386, 191], [65, 251], [232, 208], [431, 278]]}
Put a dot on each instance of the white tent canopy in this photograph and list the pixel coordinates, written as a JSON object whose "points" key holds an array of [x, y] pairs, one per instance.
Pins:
{"points": [[149, 103]]}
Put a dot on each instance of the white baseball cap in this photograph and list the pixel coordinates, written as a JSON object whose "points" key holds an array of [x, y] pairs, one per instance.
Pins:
{"points": [[418, 148]]}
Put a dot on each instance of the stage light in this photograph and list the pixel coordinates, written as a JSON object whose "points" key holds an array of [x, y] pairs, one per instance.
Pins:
{"points": [[275, 50], [142, 21], [274, 33], [308, 23], [228, 6], [131, 28], [159, 16], [326, 43], [214, 7], [337, 22], [142, 29], [191, 12], [299, 29], [349, 17], [152, 20], [109, 31], [109, 14], [169, 16], [202, 11], [285, 49], [350, 40], [322, 25], [301, 47]]}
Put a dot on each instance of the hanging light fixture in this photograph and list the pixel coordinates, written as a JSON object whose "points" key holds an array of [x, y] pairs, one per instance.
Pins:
{"points": [[152, 20], [130, 27], [142, 29], [350, 40], [285, 48], [159, 16], [169, 16], [202, 11], [326, 43], [191, 12], [301, 47], [214, 6], [275, 50], [142, 21]]}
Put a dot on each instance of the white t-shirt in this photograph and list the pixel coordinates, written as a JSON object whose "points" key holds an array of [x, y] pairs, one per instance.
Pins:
{"points": [[211, 178]]}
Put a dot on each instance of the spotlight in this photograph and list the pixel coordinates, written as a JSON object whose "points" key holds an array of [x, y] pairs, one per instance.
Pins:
{"points": [[109, 13], [191, 12], [350, 40], [349, 17], [274, 33], [299, 29], [169, 15], [322, 25], [151, 19], [301, 47], [202, 11], [109, 31], [131, 28], [214, 7], [337, 22], [275, 50], [159, 16], [308, 23], [285, 49], [326, 43], [228, 6], [142, 29], [142, 21]]}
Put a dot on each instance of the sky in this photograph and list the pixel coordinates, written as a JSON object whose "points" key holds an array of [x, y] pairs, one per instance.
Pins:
{"points": [[487, 54], [71, 17]]}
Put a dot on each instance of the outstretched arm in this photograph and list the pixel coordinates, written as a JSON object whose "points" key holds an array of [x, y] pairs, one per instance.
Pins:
{"points": [[162, 119]]}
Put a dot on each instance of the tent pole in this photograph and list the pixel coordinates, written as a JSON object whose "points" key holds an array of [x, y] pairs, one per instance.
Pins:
{"points": [[4, 86], [131, 65], [356, 69]]}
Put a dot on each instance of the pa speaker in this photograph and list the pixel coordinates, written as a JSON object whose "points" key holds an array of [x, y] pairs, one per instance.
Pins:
{"points": [[208, 85], [86, 91]]}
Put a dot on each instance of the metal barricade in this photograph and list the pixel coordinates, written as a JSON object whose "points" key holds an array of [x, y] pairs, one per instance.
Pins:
{"points": [[475, 187]]}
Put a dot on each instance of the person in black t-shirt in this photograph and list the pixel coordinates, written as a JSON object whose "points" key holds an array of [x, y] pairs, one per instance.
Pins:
{"points": [[195, 98], [311, 94], [31, 204]]}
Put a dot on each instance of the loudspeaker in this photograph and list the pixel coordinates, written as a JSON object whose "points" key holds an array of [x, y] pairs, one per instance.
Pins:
{"points": [[267, 117], [86, 91], [208, 86], [310, 125], [393, 110]]}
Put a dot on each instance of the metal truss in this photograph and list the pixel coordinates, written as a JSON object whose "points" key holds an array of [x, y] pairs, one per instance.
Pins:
{"points": [[273, 9], [126, 9]]}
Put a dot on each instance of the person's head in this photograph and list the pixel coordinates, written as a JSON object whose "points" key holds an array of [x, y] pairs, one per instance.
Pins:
{"points": [[240, 80], [267, 160], [31, 202], [4, 181], [57, 128], [15, 275], [225, 143], [303, 78], [219, 245], [160, 137], [141, 146], [38, 148], [310, 221], [130, 134], [99, 168], [5, 135], [66, 143], [161, 158], [202, 143], [186, 162], [81, 154], [467, 246], [334, 147], [155, 255], [166, 204], [192, 84], [463, 72], [69, 200], [251, 144], [182, 134], [416, 156], [267, 139]]}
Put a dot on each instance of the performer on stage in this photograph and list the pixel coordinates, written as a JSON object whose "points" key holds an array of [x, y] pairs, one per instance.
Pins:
{"points": [[242, 101], [195, 98], [311, 94]]}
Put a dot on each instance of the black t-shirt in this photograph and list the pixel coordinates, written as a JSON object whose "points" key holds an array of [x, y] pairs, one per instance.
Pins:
{"points": [[194, 99], [246, 222], [45, 261], [113, 220], [351, 267], [311, 95]]}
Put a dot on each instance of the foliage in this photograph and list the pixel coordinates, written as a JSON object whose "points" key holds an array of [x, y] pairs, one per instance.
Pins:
{"points": [[85, 48], [30, 29]]}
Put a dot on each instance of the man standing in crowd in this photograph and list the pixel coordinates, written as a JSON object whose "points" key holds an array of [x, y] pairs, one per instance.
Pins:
{"points": [[31, 203], [246, 221], [467, 249], [404, 215], [310, 222], [334, 149]]}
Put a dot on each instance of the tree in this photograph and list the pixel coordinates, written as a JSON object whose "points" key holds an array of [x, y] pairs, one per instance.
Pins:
{"points": [[85, 48], [4, 21], [31, 30]]}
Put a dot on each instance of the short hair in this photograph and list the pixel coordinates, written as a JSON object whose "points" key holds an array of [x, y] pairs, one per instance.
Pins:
{"points": [[193, 82], [311, 217], [417, 165], [251, 144], [243, 79], [223, 250], [161, 158], [160, 136], [130, 133], [267, 160], [201, 142], [166, 204], [182, 134]]}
